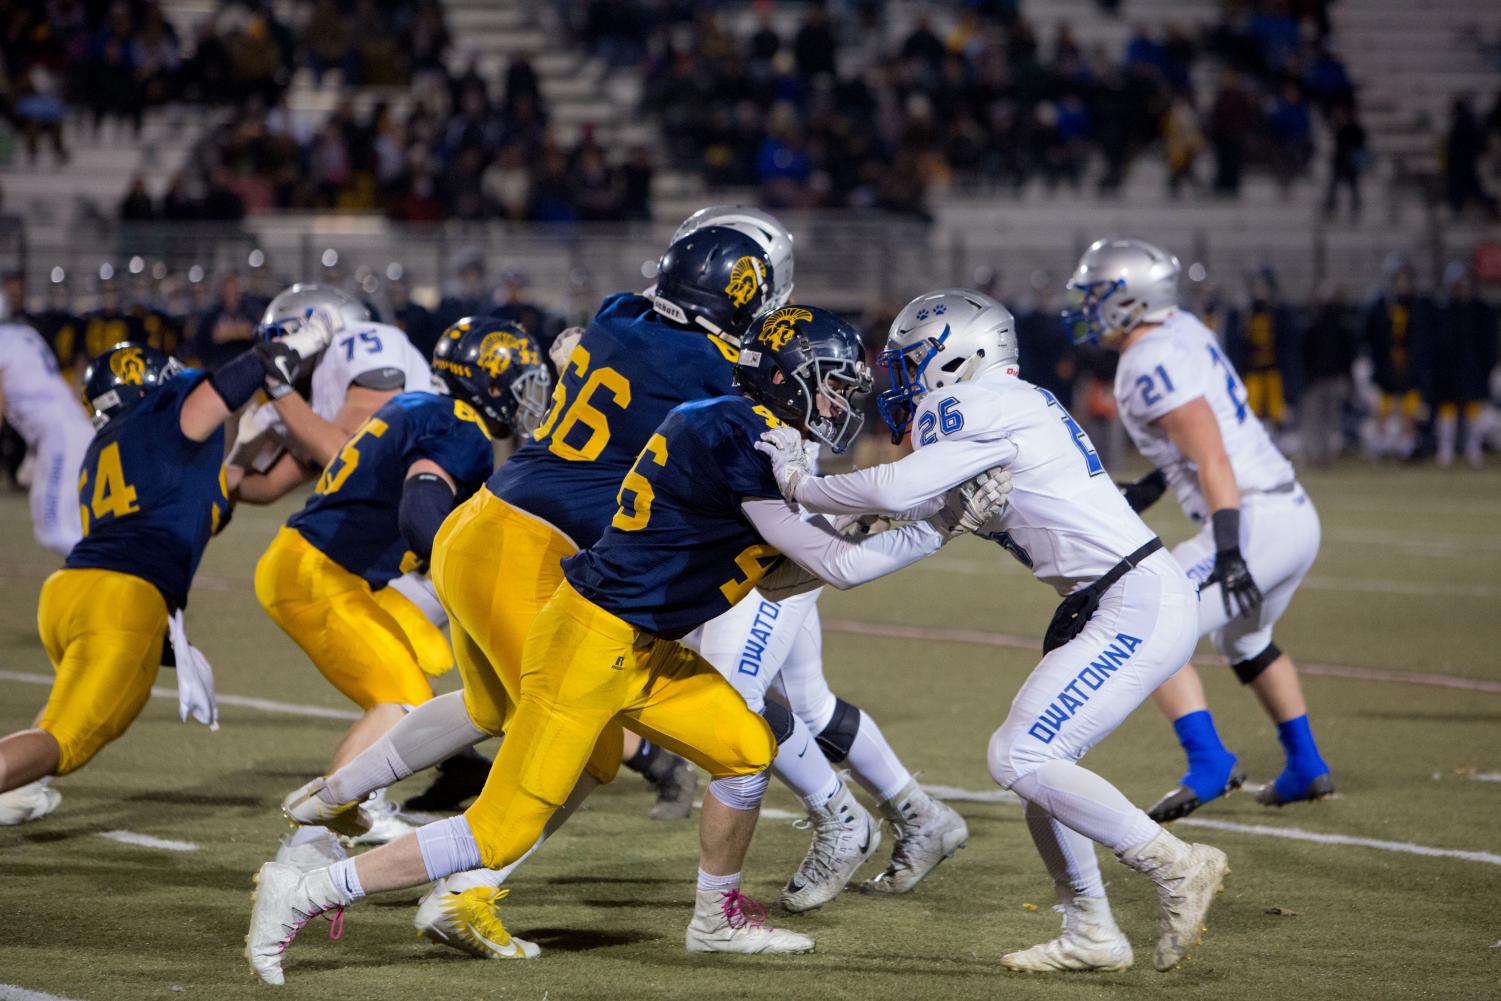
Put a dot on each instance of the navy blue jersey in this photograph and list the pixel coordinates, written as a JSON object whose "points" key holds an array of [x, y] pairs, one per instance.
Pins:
{"points": [[150, 495], [679, 551], [631, 368], [352, 517]]}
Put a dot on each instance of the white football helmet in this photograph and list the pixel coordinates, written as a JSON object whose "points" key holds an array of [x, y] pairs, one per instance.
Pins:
{"points": [[764, 228], [285, 313], [1119, 283], [940, 339]]}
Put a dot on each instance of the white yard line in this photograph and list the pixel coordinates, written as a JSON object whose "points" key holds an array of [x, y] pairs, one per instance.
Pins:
{"points": [[243, 701], [1298, 834], [891, 630], [147, 841], [10, 992]]}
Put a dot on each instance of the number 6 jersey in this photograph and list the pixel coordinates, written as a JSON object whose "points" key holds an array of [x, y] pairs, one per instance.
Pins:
{"points": [[1177, 363]]}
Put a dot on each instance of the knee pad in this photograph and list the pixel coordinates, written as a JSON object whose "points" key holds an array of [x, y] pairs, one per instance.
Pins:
{"points": [[779, 718], [1249, 670], [838, 737], [741, 792]]}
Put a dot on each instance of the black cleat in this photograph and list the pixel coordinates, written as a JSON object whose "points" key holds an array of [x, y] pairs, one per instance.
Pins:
{"points": [[1182, 800], [458, 780], [1317, 789], [675, 787]]}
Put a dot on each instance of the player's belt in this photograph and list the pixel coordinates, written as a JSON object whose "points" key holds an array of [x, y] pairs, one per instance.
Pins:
{"points": [[1074, 611], [1281, 488]]}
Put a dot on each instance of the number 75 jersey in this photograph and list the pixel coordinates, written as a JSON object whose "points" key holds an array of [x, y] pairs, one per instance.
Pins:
{"points": [[1175, 364]]}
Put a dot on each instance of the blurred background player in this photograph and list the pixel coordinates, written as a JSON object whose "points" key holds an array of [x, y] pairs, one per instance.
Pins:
{"points": [[1186, 410], [1395, 326], [372, 517], [1460, 354], [41, 406], [151, 492]]}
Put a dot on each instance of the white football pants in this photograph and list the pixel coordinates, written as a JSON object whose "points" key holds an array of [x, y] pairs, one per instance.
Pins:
{"points": [[54, 484]]}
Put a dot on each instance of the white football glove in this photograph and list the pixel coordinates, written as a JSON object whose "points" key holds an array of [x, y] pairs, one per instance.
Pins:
{"points": [[967, 507], [195, 679], [562, 347], [789, 460], [316, 332]]}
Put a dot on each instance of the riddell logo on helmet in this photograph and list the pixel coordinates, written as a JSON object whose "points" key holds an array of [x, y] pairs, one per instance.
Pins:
{"points": [[129, 367], [746, 278], [778, 328]]}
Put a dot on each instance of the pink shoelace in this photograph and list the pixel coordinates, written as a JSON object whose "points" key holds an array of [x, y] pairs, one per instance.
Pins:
{"points": [[740, 910], [335, 927]]}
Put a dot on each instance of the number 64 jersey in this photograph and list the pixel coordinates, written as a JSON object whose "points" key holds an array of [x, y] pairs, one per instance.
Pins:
{"points": [[1175, 364]]}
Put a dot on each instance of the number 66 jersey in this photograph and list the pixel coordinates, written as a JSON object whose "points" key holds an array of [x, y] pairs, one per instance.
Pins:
{"points": [[1175, 364]]}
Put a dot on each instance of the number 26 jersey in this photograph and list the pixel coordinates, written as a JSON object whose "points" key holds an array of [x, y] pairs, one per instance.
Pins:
{"points": [[1177, 363], [628, 372]]}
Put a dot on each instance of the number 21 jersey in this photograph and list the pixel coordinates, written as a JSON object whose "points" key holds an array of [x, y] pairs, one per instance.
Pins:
{"points": [[1175, 364]]}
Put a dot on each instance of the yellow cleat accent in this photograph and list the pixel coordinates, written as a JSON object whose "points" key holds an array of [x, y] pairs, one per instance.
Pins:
{"points": [[470, 922]]}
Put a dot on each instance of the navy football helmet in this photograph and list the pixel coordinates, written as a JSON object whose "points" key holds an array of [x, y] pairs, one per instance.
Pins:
{"points": [[495, 367], [122, 376], [716, 278], [794, 357]]}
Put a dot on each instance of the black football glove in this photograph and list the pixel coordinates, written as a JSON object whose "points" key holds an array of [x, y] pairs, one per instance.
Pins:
{"points": [[1144, 492], [1238, 589], [281, 364]]}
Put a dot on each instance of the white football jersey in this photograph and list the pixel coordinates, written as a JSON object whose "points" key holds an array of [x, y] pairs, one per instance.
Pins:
{"points": [[1175, 364], [38, 401], [1066, 521], [369, 347]]}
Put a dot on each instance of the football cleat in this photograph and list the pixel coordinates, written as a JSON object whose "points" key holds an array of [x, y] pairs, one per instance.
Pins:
{"points": [[927, 832], [470, 922], [1187, 877], [1320, 787], [305, 808], [1183, 800], [321, 851], [845, 835], [1090, 941], [675, 789], [284, 900], [387, 822], [729, 921], [458, 780], [29, 802]]}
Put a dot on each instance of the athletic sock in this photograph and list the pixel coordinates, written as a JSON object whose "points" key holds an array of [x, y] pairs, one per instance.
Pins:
{"points": [[1209, 761], [430, 733], [873, 763], [802, 767], [346, 881], [1304, 763], [719, 884]]}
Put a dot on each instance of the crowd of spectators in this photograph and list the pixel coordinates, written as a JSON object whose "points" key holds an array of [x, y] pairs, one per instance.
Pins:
{"points": [[818, 114]]}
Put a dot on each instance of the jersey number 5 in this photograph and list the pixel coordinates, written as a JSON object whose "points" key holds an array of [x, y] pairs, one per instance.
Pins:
{"points": [[349, 457], [555, 431]]}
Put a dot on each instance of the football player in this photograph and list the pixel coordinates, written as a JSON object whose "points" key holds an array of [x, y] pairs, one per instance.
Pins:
{"points": [[497, 559], [372, 517], [699, 522], [1127, 621], [38, 403], [151, 492], [1185, 408]]}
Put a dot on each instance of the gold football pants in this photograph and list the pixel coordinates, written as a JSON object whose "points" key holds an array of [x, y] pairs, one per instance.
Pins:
{"points": [[584, 669], [103, 631]]}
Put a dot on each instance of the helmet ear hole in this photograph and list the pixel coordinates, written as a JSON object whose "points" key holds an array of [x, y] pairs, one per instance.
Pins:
{"points": [[955, 365]]}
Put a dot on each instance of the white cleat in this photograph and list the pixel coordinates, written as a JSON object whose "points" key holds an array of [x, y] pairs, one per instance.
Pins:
{"points": [[1187, 878], [729, 921], [1090, 941], [387, 822], [845, 835], [32, 801], [284, 900], [470, 922], [323, 850], [304, 807], [927, 832]]}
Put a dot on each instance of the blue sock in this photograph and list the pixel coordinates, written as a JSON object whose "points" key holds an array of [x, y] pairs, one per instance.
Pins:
{"points": [[1209, 761], [1304, 763]]}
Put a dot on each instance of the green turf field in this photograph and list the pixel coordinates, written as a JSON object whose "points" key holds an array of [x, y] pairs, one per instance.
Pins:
{"points": [[1409, 580]]}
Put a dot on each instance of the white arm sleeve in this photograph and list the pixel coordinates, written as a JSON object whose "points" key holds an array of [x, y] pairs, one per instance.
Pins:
{"points": [[815, 546], [897, 488]]}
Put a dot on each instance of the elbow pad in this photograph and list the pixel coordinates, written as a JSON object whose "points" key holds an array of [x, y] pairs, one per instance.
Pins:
{"points": [[425, 502]]}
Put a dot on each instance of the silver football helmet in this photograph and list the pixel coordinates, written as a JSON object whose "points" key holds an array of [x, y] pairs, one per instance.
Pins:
{"points": [[285, 313], [1119, 283], [940, 339], [764, 228]]}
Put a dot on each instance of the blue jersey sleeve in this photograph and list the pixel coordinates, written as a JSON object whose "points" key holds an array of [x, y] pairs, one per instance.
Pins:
{"points": [[454, 437]]}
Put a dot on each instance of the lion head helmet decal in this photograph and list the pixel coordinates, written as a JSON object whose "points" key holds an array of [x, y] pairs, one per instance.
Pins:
{"points": [[746, 279], [777, 329], [501, 347], [128, 366]]}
